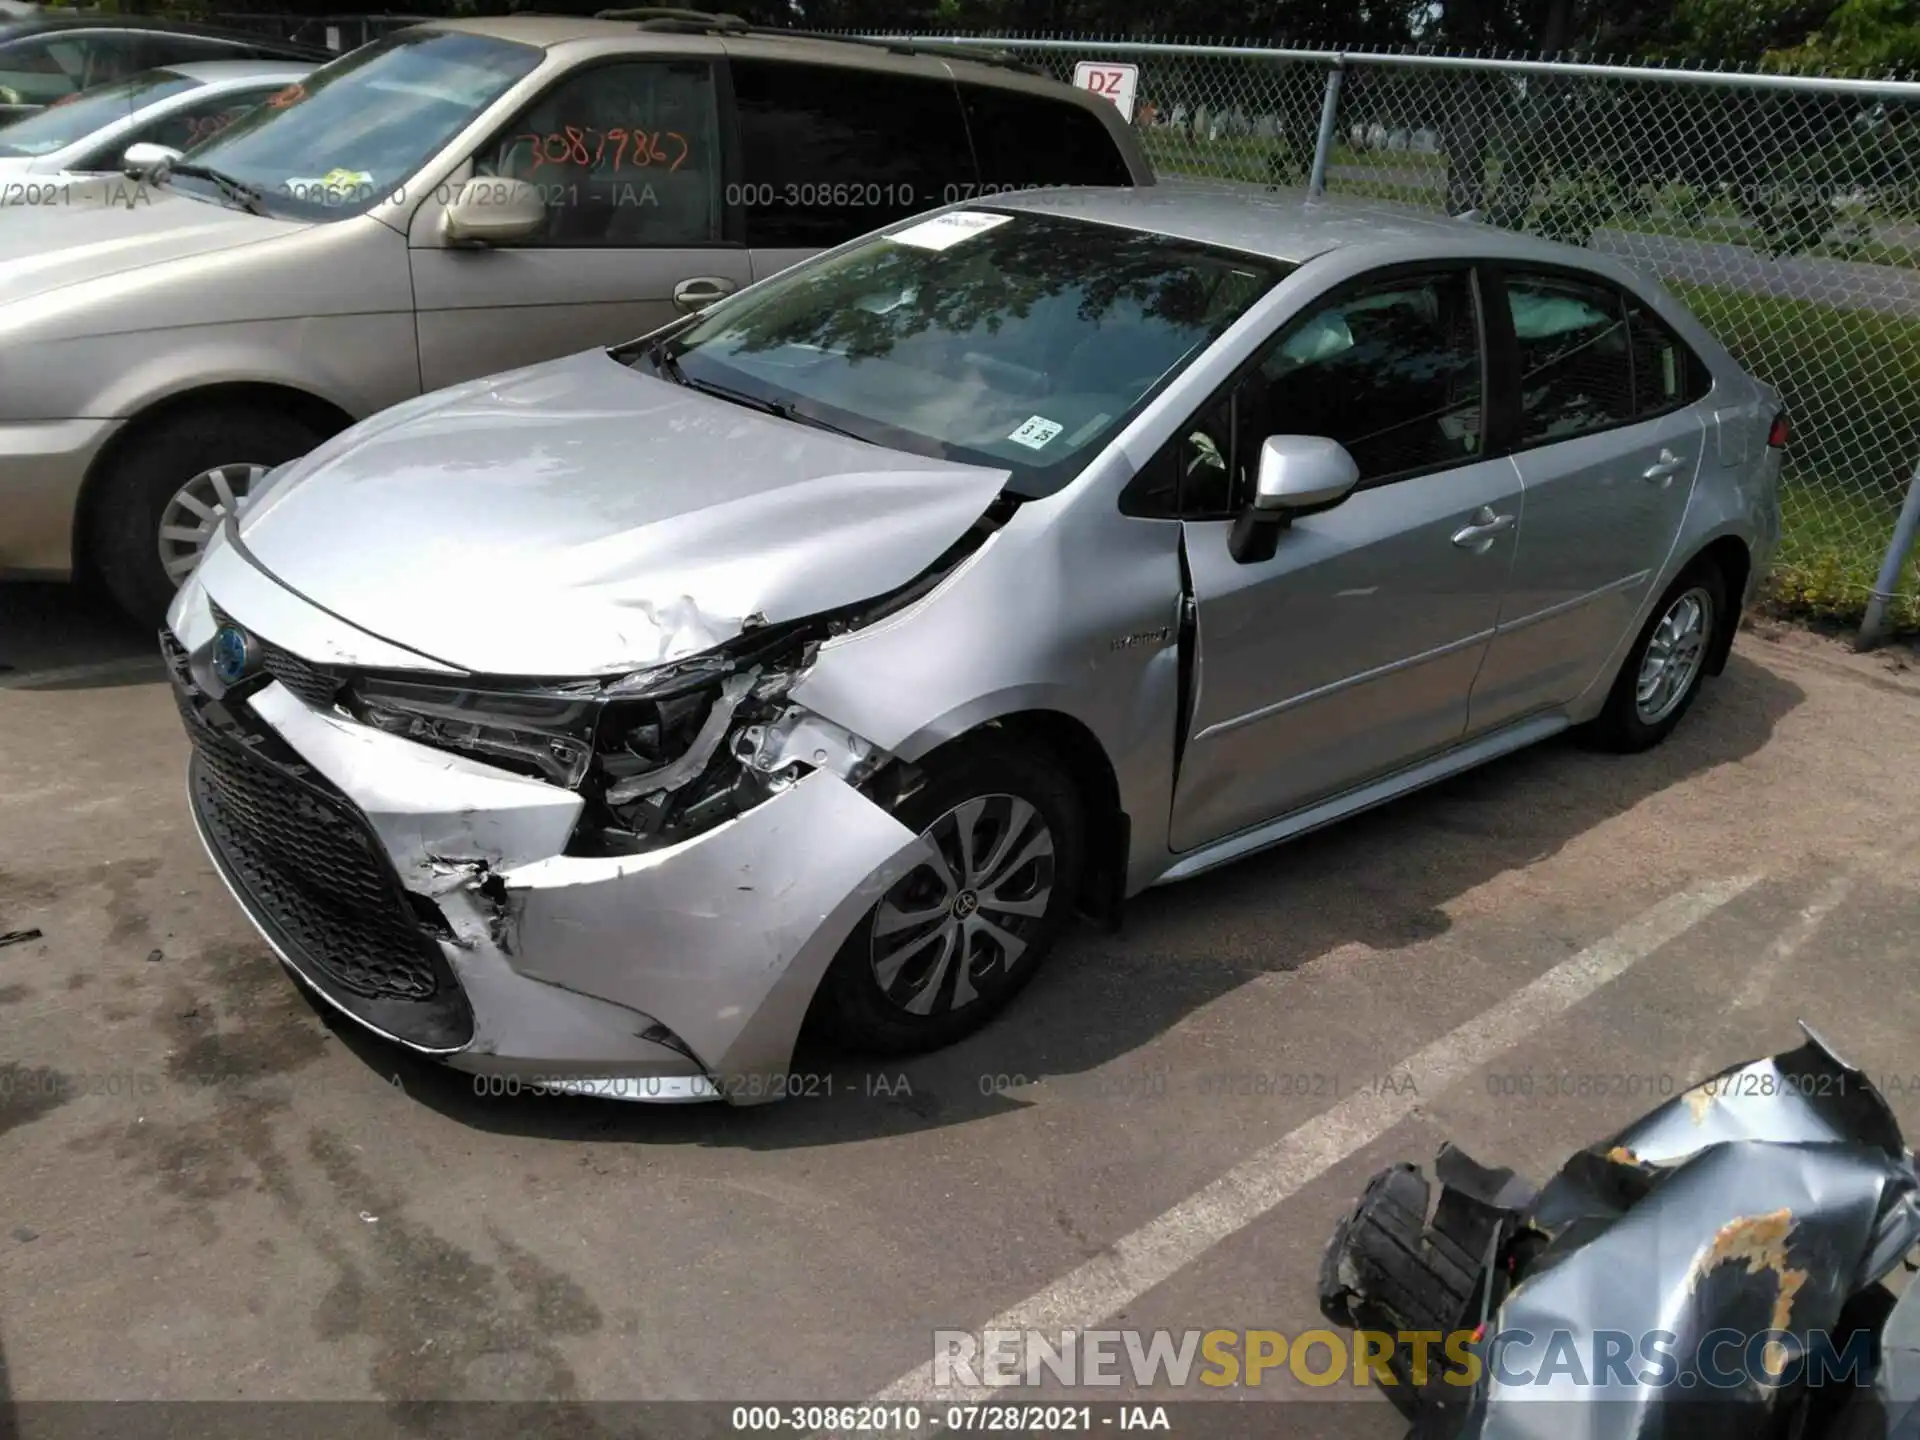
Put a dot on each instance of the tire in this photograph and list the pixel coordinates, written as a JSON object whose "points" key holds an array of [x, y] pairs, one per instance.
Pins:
{"points": [[913, 988], [1627, 725], [123, 532]]}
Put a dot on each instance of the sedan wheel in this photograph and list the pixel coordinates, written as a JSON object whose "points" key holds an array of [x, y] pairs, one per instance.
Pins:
{"points": [[196, 510], [1672, 659], [1667, 665], [963, 918], [994, 881]]}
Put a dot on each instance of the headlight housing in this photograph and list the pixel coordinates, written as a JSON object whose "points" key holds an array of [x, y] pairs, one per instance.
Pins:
{"points": [[658, 756]]}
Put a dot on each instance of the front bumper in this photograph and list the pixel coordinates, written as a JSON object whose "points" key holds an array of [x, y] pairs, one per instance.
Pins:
{"points": [[427, 897], [43, 465]]}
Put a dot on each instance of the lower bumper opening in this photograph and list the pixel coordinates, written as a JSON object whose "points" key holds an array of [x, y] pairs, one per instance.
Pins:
{"points": [[309, 871]]}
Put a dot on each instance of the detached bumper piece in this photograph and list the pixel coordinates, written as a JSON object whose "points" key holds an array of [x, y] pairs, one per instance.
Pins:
{"points": [[1711, 1272], [304, 862]]}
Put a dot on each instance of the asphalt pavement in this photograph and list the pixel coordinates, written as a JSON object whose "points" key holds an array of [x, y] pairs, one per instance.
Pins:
{"points": [[224, 1195]]}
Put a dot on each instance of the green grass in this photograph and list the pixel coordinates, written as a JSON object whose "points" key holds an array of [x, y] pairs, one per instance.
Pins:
{"points": [[1851, 379]]}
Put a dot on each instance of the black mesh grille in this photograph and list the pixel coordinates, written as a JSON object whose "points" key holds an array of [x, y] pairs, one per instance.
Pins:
{"points": [[312, 684], [313, 872]]}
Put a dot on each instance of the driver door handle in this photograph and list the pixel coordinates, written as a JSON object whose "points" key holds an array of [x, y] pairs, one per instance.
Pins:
{"points": [[1478, 536], [700, 291], [1668, 464]]}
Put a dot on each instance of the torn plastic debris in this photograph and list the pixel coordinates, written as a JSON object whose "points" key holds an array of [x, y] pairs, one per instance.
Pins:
{"points": [[1712, 1271]]}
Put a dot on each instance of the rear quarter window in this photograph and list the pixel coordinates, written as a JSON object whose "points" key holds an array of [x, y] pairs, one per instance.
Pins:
{"points": [[1025, 140]]}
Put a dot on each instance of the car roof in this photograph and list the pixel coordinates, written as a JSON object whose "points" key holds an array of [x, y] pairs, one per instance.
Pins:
{"points": [[1284, 225], [549, 31], [215, 72], [18, 28]]}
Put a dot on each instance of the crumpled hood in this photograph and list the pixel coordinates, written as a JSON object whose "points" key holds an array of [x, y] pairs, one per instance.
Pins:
{"points": [[580, 518], [106, 225]]}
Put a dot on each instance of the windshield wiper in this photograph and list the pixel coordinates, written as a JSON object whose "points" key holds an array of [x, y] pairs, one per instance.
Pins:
{"points": [[660, 355], [238, 191], [783, 409]]}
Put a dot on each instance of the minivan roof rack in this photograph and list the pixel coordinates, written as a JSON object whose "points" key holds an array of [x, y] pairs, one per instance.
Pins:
{"points": [[702, 22]]}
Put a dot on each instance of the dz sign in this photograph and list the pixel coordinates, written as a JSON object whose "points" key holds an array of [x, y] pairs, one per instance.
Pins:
{"points": [[1118, 83]]}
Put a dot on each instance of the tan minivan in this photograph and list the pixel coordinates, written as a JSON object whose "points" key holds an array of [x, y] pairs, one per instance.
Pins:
{"points": [[453, 200]]}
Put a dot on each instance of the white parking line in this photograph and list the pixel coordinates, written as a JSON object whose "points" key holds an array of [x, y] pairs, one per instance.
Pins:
{"points": [[1159, 1249]]}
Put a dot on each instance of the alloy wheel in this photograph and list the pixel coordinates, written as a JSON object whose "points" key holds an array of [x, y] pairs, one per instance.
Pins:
{"points": [[196, 510], [962, 918], [1675, 651]]}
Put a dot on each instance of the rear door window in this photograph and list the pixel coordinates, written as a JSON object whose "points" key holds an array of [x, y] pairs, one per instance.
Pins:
{"points": [[1575, 373], [829, 152], [1024, 140]]}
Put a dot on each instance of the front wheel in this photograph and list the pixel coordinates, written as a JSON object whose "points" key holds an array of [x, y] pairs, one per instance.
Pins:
{"points": [[1663, 672], [954, 939], [171, 488]]}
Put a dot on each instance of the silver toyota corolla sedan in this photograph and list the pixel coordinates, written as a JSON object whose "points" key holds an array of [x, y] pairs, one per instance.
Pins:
{"points": [[593, 725]]}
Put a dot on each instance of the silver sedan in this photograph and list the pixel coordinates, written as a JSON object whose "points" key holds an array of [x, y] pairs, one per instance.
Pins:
{"points": [[594, 725], [42, 155]]}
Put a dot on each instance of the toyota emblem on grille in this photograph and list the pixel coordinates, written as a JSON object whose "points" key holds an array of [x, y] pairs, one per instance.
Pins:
{"points": [[234, 653]]}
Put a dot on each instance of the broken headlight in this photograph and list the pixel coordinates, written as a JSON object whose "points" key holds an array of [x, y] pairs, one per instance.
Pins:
{"points": [[658, 756], [549, 737]]}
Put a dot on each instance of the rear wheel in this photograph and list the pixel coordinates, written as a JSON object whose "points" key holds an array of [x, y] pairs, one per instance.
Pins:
{"points": [[957, 937], [1663, 672], [171, 488]]}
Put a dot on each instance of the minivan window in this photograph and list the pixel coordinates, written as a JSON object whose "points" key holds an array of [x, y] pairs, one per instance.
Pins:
{"points": [[1019, 341], [73, 120], [1024, 141], [828, 152], [623, 154], [1575, 376], [355, 131]]}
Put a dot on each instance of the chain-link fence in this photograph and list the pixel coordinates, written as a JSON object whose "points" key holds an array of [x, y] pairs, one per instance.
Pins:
{"points": [[1785, 211]]}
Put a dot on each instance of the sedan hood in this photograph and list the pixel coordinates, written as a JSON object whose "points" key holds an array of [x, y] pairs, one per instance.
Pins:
{"points": [[580, 518], [105, 225]]}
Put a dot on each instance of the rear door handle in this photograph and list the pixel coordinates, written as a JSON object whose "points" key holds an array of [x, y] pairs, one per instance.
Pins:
{"points": [[1478, 537], [700, 291], [1668, 464]]}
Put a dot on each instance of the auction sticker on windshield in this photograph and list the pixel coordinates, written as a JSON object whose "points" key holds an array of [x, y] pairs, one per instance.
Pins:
{"points": [[943, 231], [1036, 432]]}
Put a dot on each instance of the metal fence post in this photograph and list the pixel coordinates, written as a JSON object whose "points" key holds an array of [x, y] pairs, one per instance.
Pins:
{"points": [[1873, 624], [1329, 118]]}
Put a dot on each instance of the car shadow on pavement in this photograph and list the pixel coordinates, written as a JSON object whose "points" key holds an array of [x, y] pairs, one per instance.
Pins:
{"points": [[71, 637], [1383, 879]]}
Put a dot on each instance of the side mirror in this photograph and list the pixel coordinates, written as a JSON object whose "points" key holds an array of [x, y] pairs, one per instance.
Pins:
{"points": [[145, 159], [1298, 475], [493, 210]]}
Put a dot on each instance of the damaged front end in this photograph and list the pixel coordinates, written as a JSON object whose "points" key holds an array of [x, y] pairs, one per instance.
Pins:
{"points": [[1713, 1270], [657, 757], [665, 753]]}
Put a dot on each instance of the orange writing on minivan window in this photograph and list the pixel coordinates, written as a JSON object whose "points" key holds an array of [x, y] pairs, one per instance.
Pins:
{"points": [[613, 149]]}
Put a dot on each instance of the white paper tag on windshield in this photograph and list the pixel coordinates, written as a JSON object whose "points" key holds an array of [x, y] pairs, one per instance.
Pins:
{"points": [[946, 230], [1036, 432]]}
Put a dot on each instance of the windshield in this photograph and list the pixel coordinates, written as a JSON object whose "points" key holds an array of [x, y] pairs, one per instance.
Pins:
{"points": [[1020, 341], [79, 116], [355, 131]]}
